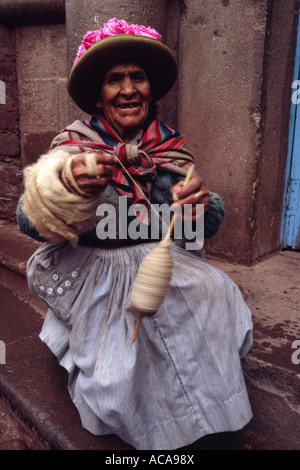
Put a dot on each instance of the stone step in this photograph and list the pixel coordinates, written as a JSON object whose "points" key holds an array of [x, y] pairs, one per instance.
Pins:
{"points": [[15, 249], [34, 386]]}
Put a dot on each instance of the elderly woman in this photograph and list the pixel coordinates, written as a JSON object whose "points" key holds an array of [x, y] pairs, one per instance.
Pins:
{"points": [[181, 379]]}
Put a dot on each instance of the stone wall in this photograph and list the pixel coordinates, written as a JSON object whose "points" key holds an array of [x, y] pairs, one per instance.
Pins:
{"points": [[42, 80], [10, 163], [236, 63], [33, 69], [273, 133]]}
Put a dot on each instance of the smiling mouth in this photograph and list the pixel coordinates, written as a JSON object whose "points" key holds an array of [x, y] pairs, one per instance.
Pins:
{"points": [[128, 105]]}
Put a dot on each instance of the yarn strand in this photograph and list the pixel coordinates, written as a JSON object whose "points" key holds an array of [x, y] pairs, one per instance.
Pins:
{"points": [[140, 190]]}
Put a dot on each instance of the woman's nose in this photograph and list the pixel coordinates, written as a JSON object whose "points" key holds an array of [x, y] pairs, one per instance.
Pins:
{"points": [[128, 86]]}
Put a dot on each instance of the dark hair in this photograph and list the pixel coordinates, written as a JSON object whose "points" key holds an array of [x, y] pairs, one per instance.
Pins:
{"points": [[152, 114]]}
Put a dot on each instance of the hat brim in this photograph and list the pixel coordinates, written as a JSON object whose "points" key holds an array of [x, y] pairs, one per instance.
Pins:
{"points": [[88, 73]]}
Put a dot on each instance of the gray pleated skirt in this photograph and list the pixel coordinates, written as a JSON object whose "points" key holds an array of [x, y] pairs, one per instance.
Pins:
{"points": [[181, 379]]}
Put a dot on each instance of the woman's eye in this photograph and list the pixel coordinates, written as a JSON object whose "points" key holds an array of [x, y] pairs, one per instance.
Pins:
{"points": [[114, 79], [139, 77]]}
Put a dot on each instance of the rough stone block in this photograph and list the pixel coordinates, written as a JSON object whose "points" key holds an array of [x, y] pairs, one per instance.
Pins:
{"points": [[41, 51], [35, 144], [43, 104], [9, 111], [11, 188]]}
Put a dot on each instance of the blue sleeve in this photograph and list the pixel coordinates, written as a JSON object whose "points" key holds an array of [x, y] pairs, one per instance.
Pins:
{"points": [[24, 223], [160, 193]]}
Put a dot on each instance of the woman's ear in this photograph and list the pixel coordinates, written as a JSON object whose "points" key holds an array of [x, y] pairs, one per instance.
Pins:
{"points": [[99, 104]]}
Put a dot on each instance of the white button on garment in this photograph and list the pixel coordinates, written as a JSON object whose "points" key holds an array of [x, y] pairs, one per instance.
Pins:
{"points": [[74, 273], [59, 290], [55, 277], [50, 290]]}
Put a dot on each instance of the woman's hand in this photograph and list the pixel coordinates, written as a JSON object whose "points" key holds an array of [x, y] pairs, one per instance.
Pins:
{"points": [[195, 192], [102, 172]]}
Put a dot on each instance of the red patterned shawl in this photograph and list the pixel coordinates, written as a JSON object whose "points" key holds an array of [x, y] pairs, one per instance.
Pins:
{"points": [[160, 147]]}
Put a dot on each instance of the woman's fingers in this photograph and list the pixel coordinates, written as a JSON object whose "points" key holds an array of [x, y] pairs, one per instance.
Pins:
{"points": [[102, 172], [194, 193], [93, 185], [181, 190], [105, 164]]}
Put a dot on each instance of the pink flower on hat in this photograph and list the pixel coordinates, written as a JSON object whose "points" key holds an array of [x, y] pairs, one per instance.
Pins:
{"points": [[88, 40], [140, 30], [91, 37], [112, 28]]}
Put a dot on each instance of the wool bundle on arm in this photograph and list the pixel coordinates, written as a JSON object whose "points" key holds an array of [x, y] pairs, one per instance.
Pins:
{"points": [[57, 213]]}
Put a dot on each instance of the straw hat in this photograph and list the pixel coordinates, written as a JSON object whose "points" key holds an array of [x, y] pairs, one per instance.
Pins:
{"points": [[118, 42]]}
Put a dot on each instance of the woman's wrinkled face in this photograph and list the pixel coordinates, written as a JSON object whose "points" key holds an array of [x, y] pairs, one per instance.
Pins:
{"points": [[125, 98]]}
